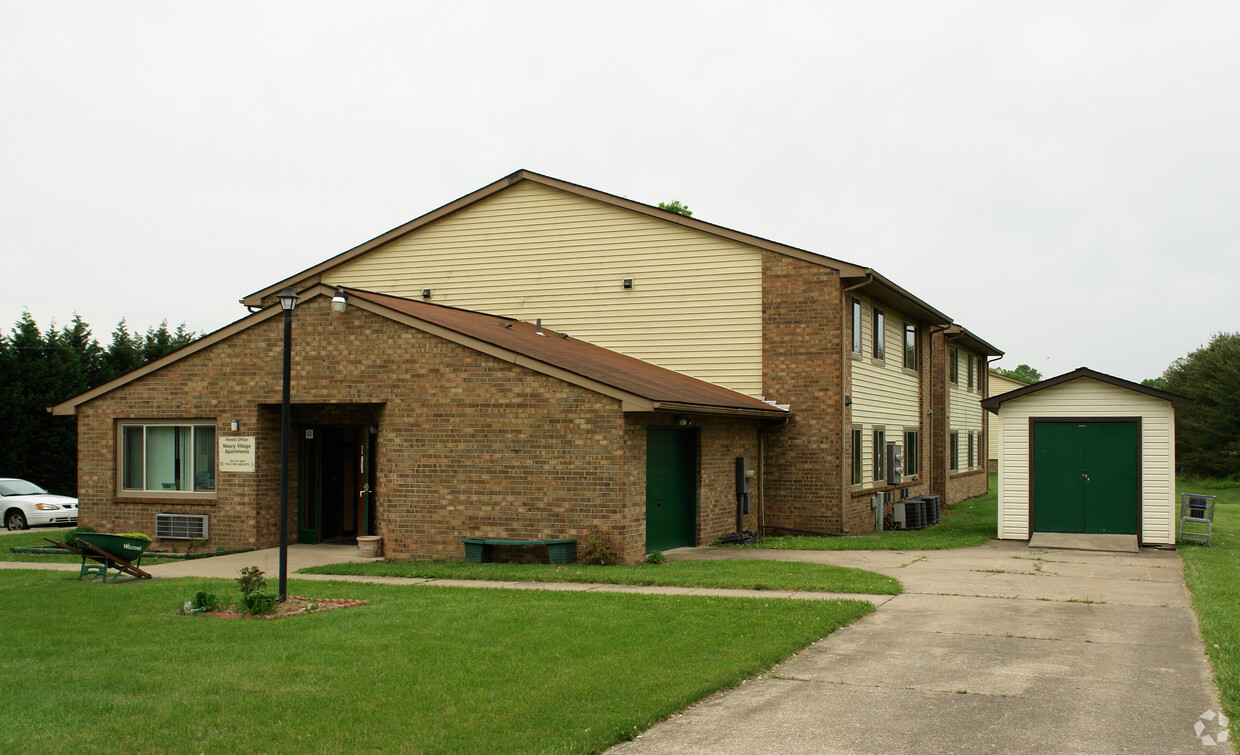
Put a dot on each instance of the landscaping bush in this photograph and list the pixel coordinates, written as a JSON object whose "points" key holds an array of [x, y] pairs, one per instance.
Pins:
{"points": [[596, 549], [71, 535]]}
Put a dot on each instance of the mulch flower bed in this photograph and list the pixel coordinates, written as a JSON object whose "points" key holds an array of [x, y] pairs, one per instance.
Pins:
{"points": [[294, 605]]}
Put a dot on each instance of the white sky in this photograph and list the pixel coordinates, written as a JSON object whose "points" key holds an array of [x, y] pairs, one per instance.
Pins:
{"points": [[1063, 178]]}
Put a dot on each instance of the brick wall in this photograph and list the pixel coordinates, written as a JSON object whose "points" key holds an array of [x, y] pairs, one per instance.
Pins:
{"points": [[802, 364], [465, 444]]}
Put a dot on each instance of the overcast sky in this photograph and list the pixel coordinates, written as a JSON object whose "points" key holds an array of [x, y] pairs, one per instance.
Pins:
{"points": [[1062, 178]]}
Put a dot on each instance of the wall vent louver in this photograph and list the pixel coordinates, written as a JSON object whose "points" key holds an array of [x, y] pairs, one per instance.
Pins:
{"points": [[181, 526]]}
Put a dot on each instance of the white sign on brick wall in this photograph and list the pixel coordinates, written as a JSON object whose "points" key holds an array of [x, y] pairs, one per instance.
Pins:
{"points": [[236, 453]]}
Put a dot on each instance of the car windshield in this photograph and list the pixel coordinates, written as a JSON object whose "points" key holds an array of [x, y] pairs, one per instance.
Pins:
{"points": [[20, 487]]}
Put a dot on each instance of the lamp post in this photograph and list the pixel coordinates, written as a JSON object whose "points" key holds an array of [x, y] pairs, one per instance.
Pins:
{"points": [[288, 301]]}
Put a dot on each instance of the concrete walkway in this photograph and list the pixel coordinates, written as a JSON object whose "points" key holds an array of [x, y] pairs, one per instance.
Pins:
{"points": [[998, 648]]}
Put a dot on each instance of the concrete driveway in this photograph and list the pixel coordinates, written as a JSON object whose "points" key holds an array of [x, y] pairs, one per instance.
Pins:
{"points": [[998, 648]]}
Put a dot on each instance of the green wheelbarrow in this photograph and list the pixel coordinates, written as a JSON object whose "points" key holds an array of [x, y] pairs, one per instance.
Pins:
{"points": [[101, 552]]}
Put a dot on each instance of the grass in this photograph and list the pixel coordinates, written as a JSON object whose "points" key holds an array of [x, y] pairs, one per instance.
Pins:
{"points": [[961, 525], [749, 575], [111, 668], [27, 538], [1211, 574]]}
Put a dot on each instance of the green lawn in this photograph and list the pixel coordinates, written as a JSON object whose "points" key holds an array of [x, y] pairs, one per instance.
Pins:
{"points": [[749, 575], [109, 668], [961, 525], [1213, 576]]}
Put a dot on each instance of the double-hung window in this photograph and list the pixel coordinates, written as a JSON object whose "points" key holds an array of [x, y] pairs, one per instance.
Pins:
{"points": [[910, 346], [971, 361], [856, 326], [953, 365], [954, 451], [972, 438], [880, 325], [167, 457], [910, 453], [856, 456], [880, 455]]}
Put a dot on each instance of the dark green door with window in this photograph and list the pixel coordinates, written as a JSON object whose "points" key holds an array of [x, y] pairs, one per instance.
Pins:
{"points": [[671, 487], [1086, 477]]}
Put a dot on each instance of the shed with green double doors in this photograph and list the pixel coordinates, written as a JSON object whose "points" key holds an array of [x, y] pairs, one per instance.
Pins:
{"points": [[1086, 453]]}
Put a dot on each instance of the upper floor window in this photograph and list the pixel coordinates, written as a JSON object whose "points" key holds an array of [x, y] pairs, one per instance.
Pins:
{"points": [[970, 378], [910, 346], [953, 365], [168, 458], [856, 326], [880, 325]]}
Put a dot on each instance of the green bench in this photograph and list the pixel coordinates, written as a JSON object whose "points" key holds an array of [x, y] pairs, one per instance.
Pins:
{"points": [[478, 549]]}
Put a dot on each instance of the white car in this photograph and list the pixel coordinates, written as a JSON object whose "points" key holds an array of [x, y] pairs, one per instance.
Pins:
{"points": [[25, 504]]}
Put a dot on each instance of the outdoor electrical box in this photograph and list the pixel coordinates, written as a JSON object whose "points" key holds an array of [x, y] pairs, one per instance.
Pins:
{"points": [[895, 463], [743, 475]]}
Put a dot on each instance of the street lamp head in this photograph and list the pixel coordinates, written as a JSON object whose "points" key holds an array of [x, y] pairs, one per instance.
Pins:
{"points": [[288, 299], [339, 301]]}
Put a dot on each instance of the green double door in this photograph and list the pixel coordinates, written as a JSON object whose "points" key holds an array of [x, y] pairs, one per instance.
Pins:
{"points": [[671, 487], [1085, 477]]}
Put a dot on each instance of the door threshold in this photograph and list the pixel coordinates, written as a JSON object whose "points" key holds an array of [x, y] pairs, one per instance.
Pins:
{"points": [[1085, 542]]}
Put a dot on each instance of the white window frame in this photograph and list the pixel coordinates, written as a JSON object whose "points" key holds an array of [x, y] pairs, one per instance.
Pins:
{"points": [[144, 492]]}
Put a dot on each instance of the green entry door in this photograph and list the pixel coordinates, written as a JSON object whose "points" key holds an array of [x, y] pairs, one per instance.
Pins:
{"points": [[1085, 477], [671, 487]]}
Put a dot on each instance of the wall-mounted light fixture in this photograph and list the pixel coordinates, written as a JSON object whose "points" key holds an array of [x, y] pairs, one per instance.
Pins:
{"points": [[683, 421], [235, 425], [340, 301], [847, 400], [626, 283], [426, 293]]}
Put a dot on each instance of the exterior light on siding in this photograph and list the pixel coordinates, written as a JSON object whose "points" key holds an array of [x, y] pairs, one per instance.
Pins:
{"points": [[339, 301], [627, 283], [426, 293]]}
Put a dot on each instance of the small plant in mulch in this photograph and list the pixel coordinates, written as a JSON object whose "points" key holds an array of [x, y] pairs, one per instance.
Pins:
{"points": [[656, 557], [256, 604], [256, 601], [596, 548]]}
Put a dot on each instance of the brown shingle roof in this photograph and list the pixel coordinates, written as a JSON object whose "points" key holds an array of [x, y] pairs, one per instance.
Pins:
{"points": [[628, 374]]}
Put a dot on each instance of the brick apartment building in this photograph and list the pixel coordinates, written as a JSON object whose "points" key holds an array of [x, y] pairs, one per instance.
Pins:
{"points": [[538, 359]]}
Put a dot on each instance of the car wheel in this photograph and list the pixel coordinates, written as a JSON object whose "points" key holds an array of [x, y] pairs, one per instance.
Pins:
{"points": [[15, 520]]}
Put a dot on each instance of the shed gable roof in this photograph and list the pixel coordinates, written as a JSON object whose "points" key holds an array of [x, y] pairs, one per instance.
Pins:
{"points": [[994, 402]]}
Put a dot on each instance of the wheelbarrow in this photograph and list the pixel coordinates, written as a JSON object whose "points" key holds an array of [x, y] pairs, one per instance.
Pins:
{"points": [[107, 552]]}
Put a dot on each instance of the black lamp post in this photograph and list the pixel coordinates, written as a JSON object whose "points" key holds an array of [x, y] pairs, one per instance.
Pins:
{"points": [[288, 301]]}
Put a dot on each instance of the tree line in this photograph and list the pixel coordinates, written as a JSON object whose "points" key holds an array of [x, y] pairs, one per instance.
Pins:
{"points": [[41, 368]]}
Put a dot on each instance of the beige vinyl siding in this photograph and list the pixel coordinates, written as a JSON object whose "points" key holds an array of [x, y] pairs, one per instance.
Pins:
{"points": [[1090, 398], [883, 394], [965, 409], [998, 386], [532, 252]]}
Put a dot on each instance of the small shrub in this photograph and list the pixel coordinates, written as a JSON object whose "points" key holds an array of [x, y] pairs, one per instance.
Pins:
{"points": [[595, 548], [71, 535], [656, 557], [251, 581], [259, 603], [195, 544], [205, 601]]}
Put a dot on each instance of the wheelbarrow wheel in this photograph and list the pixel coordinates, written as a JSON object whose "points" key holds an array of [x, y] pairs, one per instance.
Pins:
{"points": [[15, 520]]}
